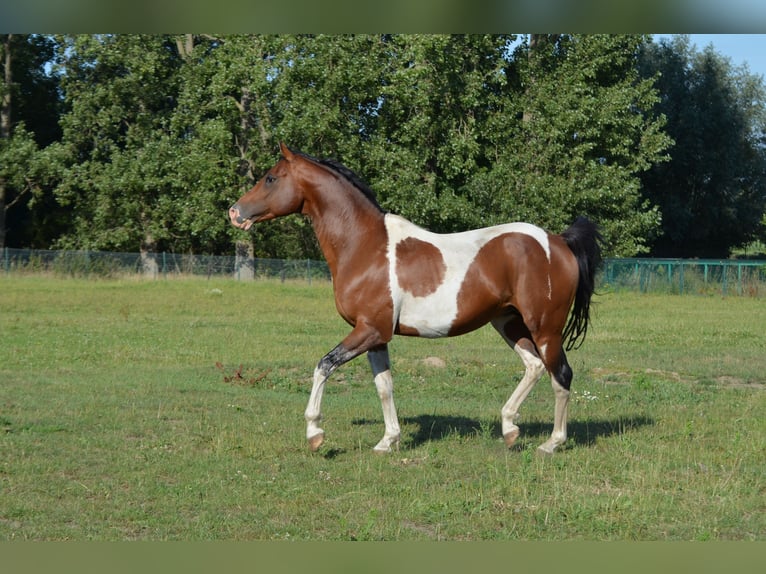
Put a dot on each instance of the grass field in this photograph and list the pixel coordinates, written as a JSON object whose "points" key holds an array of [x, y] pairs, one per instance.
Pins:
{"points": [[174, 410]]}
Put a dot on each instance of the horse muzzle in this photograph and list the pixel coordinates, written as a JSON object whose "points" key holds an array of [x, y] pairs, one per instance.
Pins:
{"points": [[237, 220]]}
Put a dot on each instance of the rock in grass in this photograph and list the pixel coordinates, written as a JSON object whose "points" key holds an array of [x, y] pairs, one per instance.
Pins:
{"points": [[435, 362]]}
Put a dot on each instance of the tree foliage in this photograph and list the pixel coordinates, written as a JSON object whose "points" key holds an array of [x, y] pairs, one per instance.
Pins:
{"points": [[159, 134], [117, 157], [29, 108], [713, 191], [576, 139]]}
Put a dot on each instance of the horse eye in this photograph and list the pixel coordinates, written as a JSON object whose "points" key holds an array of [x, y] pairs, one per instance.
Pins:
{"points": [[270, 179]]}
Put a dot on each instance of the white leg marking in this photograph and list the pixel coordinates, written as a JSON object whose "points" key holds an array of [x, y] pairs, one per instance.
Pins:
{"points": [[313, 414], [534, 370], [384, 382], [510, 411], [559, 434]]}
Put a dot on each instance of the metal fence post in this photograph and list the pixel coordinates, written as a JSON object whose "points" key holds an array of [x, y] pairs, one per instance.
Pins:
{"points": [[739, 279], [681, 279]]}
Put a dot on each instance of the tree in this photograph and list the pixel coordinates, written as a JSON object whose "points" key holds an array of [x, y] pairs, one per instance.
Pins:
{"points": [[5, 127], [573, 138], [225, 124], [326, 94], [160, 134], [449, 130], [713, 191], [29, 107], [439, 99], [117, 155]]}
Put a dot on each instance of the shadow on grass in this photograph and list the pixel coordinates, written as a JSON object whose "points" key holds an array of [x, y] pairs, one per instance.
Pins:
{"points": [[580, 432]]}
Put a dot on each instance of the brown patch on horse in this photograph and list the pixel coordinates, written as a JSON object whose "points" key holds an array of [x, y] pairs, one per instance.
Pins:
{"points": [[491, 288], [420, 266], [406, 330]]}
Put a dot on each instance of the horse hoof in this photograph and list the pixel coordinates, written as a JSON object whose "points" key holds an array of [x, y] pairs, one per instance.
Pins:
{"points": [[382, 448], [316, 441], [386, 446], [510, 437], [545, 450]]}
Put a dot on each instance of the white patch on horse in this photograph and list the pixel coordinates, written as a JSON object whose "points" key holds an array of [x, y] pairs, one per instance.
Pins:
{"points": [[550, 288], [433, 315]]}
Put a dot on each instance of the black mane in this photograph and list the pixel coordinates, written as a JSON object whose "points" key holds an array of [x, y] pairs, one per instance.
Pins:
{"points": [[341, 169]]}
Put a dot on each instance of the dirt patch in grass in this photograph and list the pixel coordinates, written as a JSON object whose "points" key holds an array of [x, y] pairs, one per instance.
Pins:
{"points": [[737, 383]]}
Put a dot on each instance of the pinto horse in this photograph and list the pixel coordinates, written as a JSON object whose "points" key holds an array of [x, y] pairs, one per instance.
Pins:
{"points": [[391, 277]]}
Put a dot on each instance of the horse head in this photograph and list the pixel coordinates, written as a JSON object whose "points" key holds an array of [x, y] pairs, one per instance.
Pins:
{"points": [[277, 193]]}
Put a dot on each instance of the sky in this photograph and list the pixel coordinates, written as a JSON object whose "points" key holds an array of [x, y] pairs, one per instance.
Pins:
{"points": [[741, 48]]}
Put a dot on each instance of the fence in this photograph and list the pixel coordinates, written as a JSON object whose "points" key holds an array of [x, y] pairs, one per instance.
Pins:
{"points": [[159, 265], [680, 276]]}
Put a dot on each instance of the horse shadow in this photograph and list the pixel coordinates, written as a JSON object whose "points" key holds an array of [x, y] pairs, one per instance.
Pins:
{"points": [[583, 433]]}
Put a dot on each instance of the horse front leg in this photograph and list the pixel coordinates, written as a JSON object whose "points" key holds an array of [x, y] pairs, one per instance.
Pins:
{"points": [[384, 383], [358, 341], [331, 361]]}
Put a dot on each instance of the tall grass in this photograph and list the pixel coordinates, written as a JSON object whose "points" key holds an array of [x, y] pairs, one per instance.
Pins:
{"points": [[174, 410]]}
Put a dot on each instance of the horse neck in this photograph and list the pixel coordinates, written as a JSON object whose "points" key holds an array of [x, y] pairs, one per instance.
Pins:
{"points": [[345, 222]]}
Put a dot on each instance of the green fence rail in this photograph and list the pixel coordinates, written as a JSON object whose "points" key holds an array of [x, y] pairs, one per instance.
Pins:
{"points": [[687, 276], [726, 277]]}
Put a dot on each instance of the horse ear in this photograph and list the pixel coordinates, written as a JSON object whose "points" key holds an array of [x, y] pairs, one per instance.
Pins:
{"points": [[287, 153]]}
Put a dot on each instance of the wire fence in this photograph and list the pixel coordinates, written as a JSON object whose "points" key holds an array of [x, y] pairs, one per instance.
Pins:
{"points": [[159, 265], [728, 277]]}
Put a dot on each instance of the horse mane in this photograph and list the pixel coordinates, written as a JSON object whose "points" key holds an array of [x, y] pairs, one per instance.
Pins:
{"points": [[347, 174]]}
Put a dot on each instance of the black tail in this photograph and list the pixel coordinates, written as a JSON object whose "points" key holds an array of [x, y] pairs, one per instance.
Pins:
{"points": [[584, 240]]}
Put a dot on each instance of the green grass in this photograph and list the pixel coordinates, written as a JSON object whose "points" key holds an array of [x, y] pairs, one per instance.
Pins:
{"points": [[116, 422]]}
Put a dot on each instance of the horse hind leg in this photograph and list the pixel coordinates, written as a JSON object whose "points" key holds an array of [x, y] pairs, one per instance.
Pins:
{"points": [[384, 383], [561, 381], [514, 332]]}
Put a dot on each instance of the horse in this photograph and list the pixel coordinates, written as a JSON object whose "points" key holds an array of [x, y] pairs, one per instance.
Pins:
{"points": [[392, 277]]}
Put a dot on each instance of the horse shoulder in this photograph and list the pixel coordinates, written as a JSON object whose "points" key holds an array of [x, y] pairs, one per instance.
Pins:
{"points": [[361, 287]]}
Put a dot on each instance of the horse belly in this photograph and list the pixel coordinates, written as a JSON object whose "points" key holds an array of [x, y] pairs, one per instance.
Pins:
{"points": [[431, 316]]}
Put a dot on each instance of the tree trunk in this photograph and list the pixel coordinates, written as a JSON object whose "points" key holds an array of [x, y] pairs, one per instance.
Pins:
{"points": [[243, 138], [185, 45], [533, 41], [537, 43], [149, 263], [5, 125], [244, 263]]}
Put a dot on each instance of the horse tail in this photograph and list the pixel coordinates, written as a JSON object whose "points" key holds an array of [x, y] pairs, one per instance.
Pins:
{"points": [[584, 240]]}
